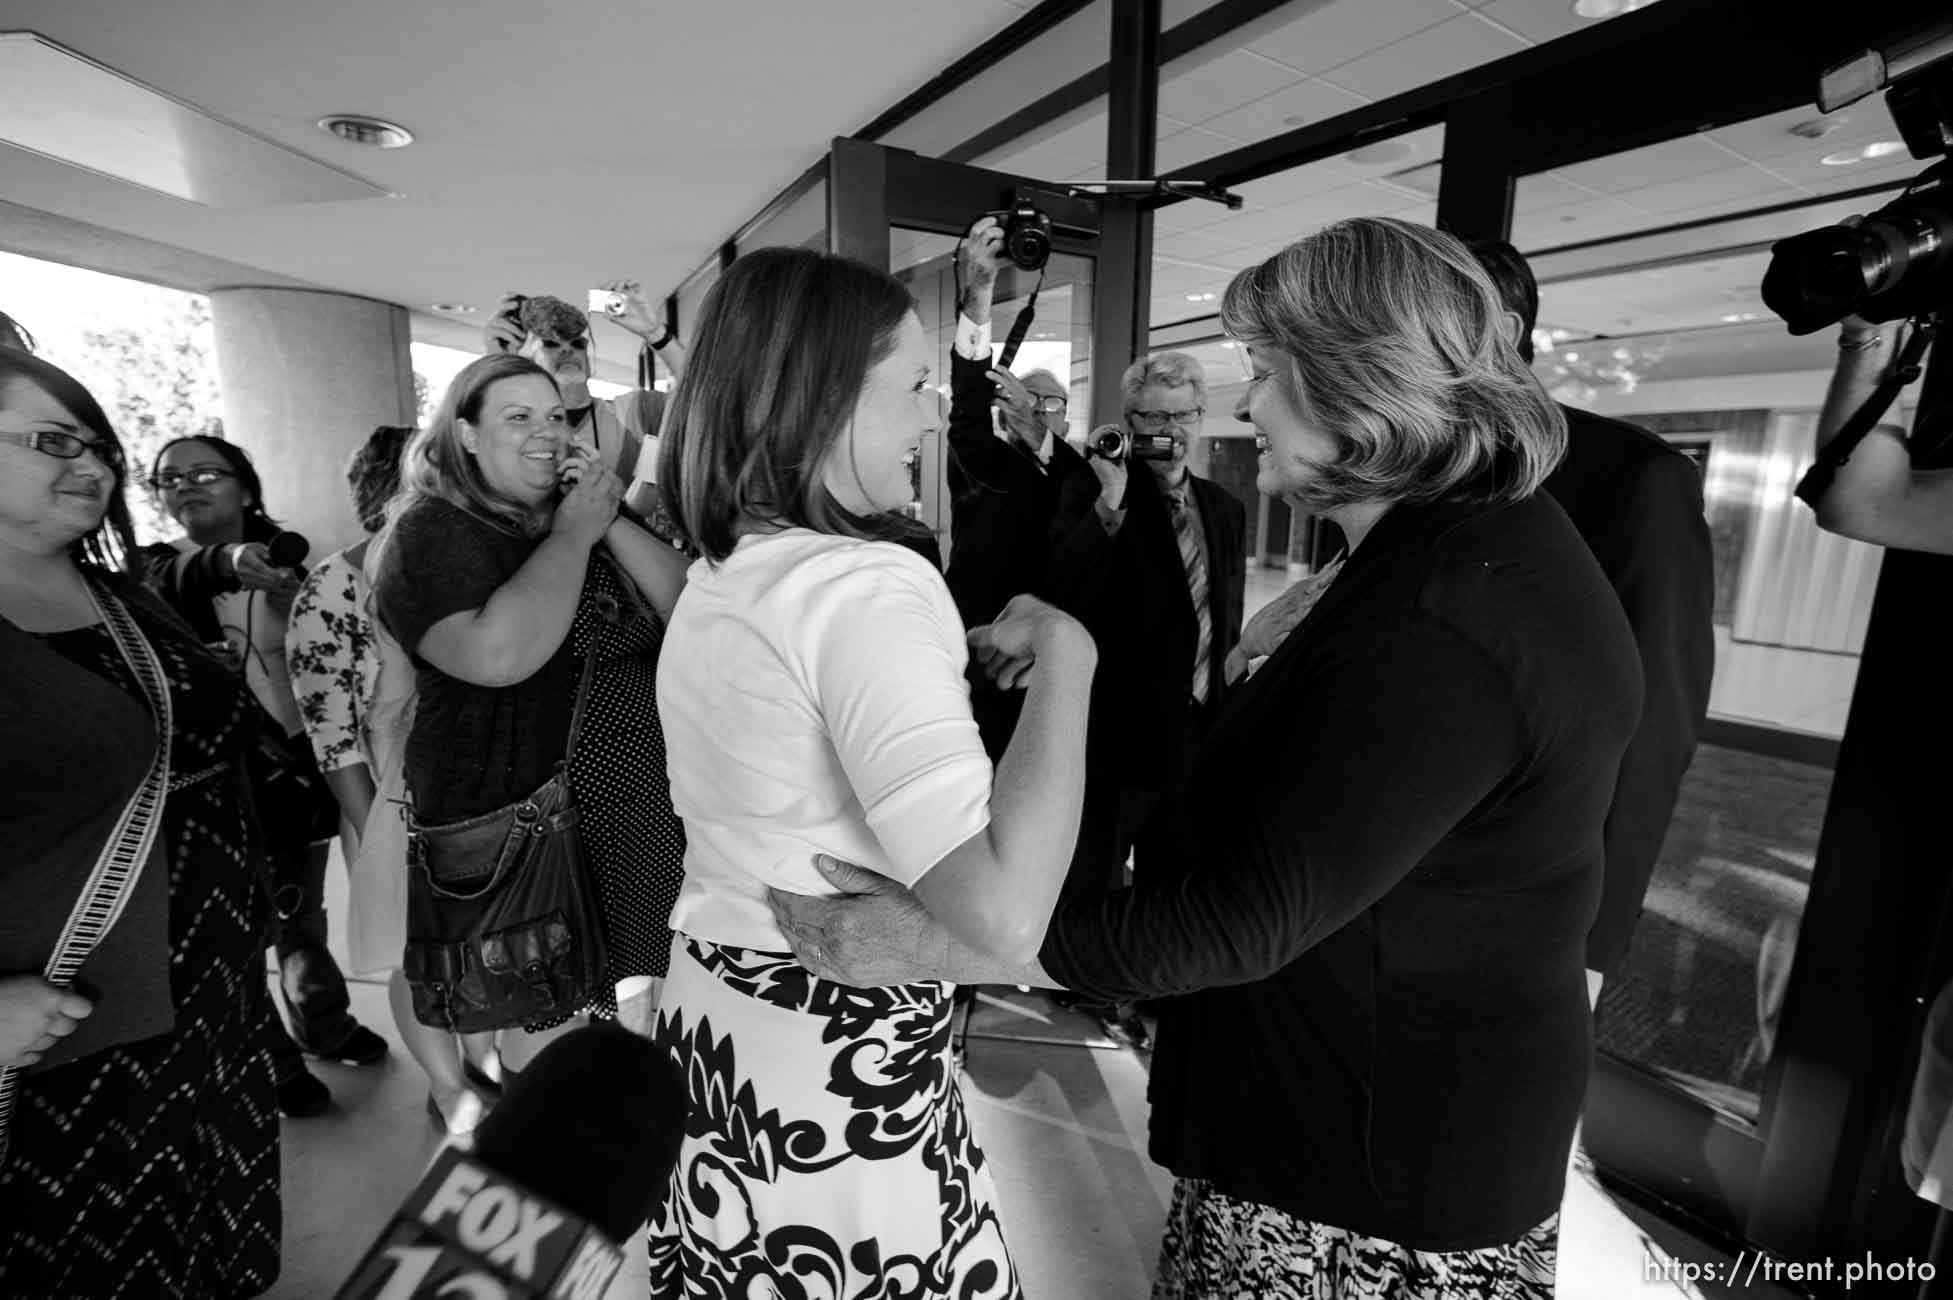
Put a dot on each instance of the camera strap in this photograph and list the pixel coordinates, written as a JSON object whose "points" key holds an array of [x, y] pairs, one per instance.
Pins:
{"points": [[1020, 327], [1904, 369]]}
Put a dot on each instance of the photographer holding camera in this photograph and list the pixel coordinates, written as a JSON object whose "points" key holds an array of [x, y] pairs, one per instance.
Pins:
{"points": [[1864, 274], [556, 336]]}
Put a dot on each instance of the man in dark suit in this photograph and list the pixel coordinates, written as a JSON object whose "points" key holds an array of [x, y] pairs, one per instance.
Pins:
{"points": [[1638, 503], [1160, 583], [1004, 492]]}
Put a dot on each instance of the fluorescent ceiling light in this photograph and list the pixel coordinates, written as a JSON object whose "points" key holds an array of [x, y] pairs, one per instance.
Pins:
{"points": [[61, 105]]}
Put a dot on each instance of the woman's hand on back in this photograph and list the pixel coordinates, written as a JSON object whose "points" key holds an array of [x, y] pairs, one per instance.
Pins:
{"points": [[1030, 632], [593, 493], [34, 1016]]}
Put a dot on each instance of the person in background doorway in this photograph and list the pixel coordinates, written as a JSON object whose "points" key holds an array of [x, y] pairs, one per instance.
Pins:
{"points": [[1637, 503]]}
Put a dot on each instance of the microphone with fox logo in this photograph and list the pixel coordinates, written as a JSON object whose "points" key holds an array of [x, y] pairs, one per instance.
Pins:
{"points": [[567, 1167]]}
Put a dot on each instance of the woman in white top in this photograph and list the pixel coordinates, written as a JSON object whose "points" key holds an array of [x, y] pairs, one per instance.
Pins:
{"points": [[814, 702]]}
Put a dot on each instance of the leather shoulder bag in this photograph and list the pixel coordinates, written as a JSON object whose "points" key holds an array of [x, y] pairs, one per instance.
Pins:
{"points": [[504, 927]]}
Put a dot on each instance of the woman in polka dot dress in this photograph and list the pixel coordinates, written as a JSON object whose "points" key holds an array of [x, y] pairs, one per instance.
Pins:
{"points": [[504, 558]]}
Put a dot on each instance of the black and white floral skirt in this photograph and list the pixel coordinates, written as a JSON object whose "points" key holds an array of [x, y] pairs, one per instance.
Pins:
{"points": [[1218, 1247], [827, 1153]]}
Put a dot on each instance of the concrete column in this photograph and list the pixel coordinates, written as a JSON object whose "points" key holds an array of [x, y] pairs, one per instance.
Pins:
{"points": [[306, 376]]}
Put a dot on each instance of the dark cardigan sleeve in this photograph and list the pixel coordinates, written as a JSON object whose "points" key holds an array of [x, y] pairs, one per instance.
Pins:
{"points": [[1371, 751]]}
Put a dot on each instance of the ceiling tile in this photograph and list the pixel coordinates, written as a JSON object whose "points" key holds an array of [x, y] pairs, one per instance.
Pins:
{"points": [[1671, 160], [1577, 222], [1335, 33], [1299, 104], [1546, 190], [1298, 183], [1733, 189], [1195, 245], [1195, 144], [1538, 21], [1436, 52], [1195, 92], [1363, 200], [1040, 162]]}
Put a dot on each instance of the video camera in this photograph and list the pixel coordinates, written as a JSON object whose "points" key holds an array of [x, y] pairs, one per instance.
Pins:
{"points": [[1111, 442], [1898, 261]]}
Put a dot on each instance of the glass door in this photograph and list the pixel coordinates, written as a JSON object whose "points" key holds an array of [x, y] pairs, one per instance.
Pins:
{"points": [[905, 212]]}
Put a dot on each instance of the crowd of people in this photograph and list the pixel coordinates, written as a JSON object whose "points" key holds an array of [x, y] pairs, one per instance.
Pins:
{"points": [[1353, 868]]}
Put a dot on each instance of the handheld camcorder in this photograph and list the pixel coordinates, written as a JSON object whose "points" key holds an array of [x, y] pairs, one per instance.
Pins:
{"points": [[1027, 234], [1896, 262], [1110, 442]]}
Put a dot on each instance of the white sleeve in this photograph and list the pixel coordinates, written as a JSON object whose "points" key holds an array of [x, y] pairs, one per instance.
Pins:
{"points": [[972, 339], [885, 661]]}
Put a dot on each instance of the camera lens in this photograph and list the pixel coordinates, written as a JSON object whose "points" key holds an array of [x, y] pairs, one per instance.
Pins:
{"points": [[1028, 247], [1109, 443]]}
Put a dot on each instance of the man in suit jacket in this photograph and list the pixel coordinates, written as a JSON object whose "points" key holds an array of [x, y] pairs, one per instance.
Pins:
{"points": [[1638, 504], [1004, 492], [1160, 584]]}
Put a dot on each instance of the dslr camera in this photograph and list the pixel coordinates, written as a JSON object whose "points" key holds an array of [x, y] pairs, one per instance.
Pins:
{"points": [[1898, 261], [1027, 233], [1112, 442]]}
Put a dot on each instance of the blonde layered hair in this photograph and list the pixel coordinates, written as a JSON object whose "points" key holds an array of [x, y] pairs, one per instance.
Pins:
{"points": [[1390, 338]]}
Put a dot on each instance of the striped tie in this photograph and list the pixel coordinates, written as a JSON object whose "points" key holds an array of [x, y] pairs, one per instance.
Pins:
{"points": [[1193, 557]]}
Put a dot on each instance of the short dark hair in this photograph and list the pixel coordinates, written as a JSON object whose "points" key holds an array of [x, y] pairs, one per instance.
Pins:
{"points": [[111, 544], [784, 342], [373, 473], [259, 526], [1513, 278]]}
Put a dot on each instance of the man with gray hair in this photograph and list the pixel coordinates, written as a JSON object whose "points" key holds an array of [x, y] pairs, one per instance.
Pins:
{"points": [[1168, 565]]}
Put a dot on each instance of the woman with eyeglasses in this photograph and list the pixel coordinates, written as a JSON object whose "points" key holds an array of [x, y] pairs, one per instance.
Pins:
{"points": [[220, 578], [138, 1126]]}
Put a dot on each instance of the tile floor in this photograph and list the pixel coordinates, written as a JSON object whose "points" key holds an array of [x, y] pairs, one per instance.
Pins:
{"points": [[1061, 1111]]}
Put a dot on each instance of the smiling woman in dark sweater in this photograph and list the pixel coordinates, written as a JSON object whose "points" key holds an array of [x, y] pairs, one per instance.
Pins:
{"points": [[1367, 906]]}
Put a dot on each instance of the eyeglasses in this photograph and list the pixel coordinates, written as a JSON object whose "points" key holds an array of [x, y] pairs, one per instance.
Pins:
{"points": [[65, 446], [1160, 419], [202, 476], [1049, 405]]}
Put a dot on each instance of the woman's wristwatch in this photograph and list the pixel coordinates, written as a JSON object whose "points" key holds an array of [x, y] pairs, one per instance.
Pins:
{"points": [[663, 340]]}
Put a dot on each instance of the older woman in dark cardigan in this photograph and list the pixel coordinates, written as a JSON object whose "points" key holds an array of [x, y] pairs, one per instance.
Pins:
{"points": [[1366, 906]]}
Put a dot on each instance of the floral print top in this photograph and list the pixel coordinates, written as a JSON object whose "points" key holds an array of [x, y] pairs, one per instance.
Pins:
{"points": [[334, 665]]}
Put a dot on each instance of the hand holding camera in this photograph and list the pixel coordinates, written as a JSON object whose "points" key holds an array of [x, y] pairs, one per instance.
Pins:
{"points": [[1106, 450], [624, 301], [977, 260], [591, 496], [504, 331]]}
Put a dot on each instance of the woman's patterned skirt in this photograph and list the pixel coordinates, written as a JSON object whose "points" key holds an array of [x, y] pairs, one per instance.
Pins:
{"points": [[827, 1153]]}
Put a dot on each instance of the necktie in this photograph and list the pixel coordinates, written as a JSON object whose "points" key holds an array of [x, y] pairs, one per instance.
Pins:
{"points": [[1193, 558]]}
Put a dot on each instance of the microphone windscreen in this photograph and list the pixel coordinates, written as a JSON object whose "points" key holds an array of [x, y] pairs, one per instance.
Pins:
{"points": [[287, 550], [593, 1124]]}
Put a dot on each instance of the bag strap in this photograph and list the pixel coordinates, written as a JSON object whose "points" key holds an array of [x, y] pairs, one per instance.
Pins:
{"points": [[119, 866], [582, 696]]}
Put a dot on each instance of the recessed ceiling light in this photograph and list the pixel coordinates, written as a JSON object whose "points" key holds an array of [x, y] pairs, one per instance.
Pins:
{"points": [[1738, 317], [1200, 297], [1883, 148], [1860, 153], [1842, 158], [356, 128], [1229, 343], [1294, 119], [456, 308]]}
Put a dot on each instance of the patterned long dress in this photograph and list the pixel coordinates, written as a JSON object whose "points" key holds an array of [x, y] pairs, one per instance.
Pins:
{"points": [[151, 1169]]}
